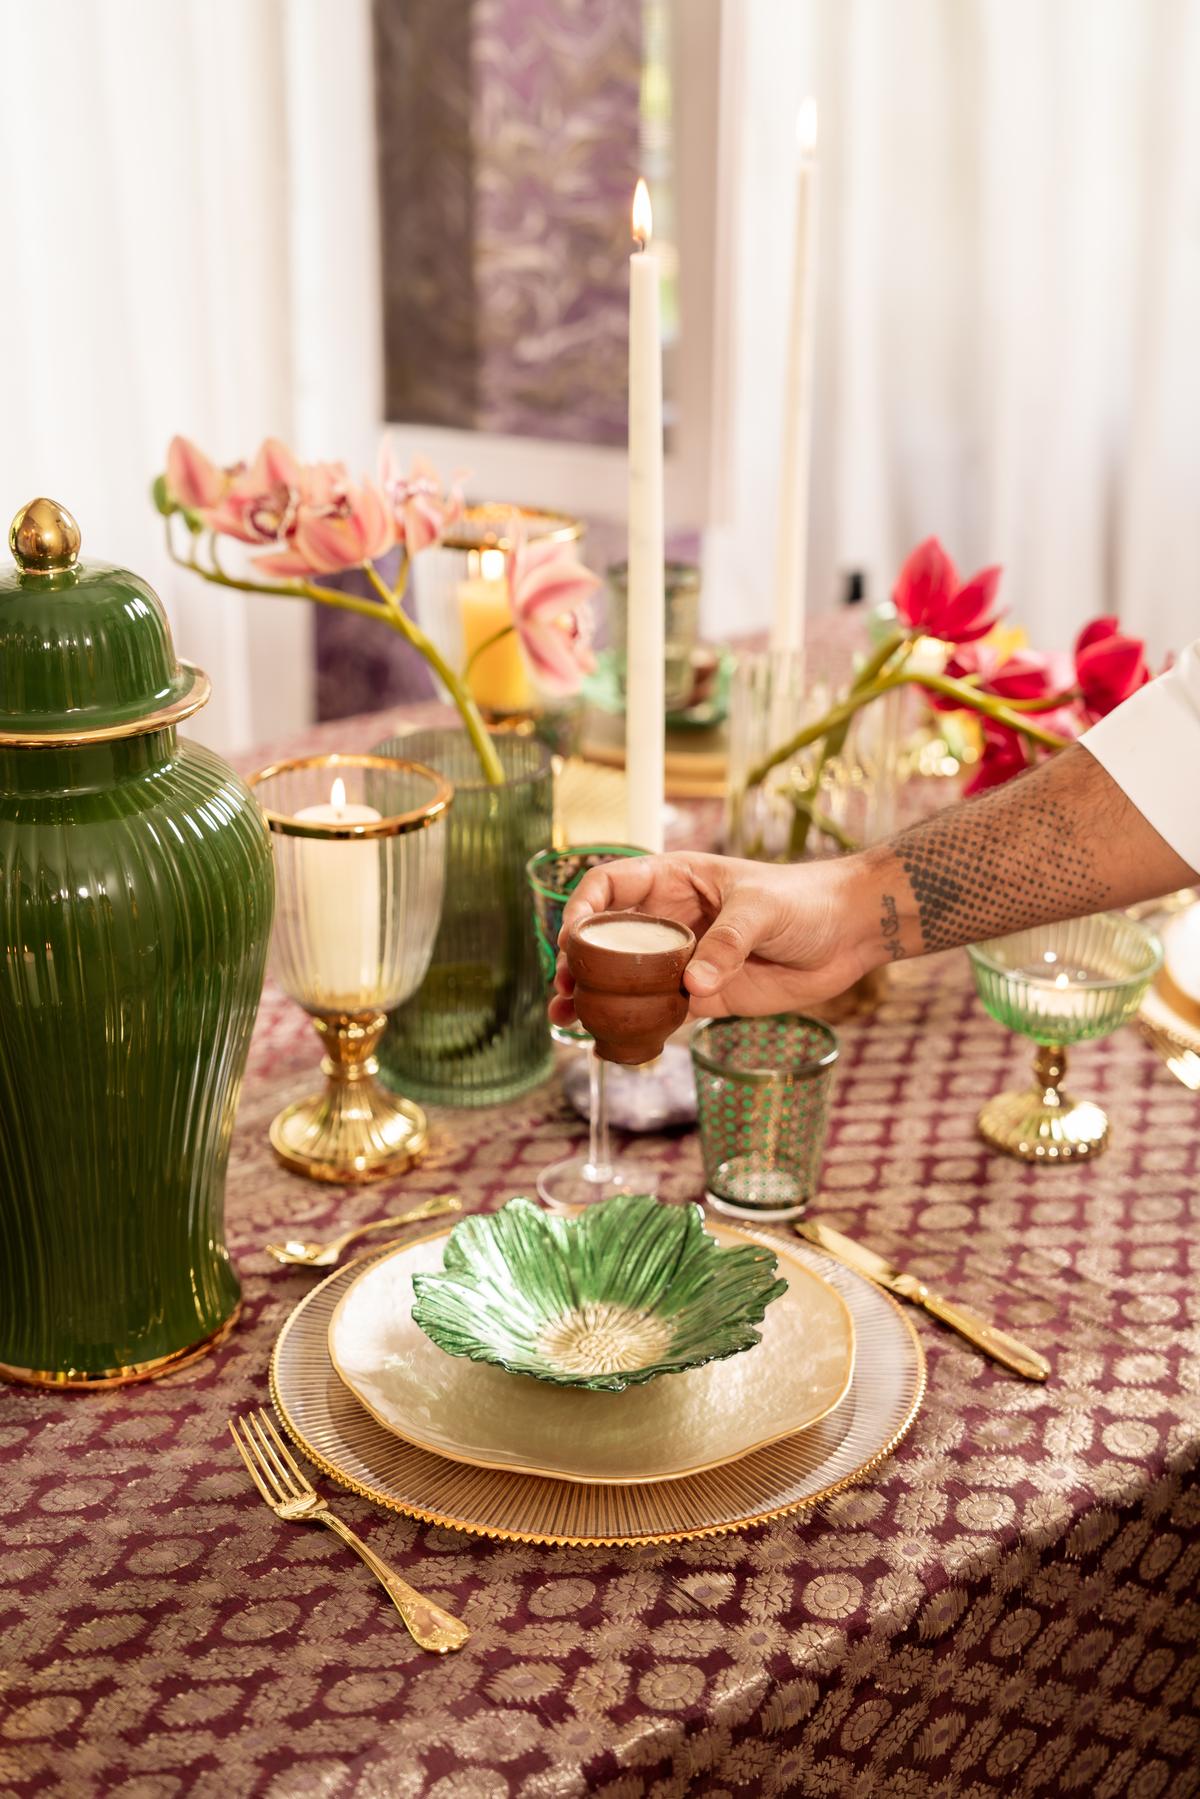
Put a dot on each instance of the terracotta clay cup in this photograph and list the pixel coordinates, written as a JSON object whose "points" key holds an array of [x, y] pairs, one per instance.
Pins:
{"points": [[630, 1000]]}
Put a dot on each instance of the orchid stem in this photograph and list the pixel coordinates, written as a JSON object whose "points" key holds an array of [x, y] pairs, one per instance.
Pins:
{"points": [[391, 612], [485, 749], [835, 742], [969, 698], [481, 649]]}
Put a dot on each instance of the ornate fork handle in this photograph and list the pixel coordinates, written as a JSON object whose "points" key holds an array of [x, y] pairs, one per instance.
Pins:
{"points": [[427, 1623]]}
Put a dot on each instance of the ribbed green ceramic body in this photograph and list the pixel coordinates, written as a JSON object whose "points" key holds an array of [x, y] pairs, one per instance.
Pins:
{"points": [[135, 907], [476, 1032]]}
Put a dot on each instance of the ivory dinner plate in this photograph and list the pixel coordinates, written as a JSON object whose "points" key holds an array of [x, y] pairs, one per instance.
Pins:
{"points": [[676, 1426]]}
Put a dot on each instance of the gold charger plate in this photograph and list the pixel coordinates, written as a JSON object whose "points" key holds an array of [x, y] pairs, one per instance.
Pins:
{"points": [[342, 1439], [677, 1425], [1166, 1006]]}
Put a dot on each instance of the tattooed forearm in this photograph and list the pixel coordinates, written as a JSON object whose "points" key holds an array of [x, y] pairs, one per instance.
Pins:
{"points": [[1026, 853], [889, 928]]}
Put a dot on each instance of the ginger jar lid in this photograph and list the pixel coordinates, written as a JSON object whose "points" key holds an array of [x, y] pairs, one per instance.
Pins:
{"points": [[85, 648]]}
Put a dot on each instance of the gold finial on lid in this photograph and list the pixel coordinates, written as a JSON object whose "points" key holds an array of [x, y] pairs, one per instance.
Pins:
{"points": [[44, 537]]}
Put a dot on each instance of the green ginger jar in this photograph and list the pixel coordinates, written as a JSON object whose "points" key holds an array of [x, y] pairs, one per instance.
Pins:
{"points": [[135, 905]]}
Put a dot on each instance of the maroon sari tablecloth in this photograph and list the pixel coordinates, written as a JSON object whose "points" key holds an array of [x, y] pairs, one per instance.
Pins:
{"points": [[1008, 1606]]}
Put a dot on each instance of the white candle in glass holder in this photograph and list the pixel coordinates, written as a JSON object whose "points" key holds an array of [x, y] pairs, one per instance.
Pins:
{"points": [[338, 899], [1062, 994]]}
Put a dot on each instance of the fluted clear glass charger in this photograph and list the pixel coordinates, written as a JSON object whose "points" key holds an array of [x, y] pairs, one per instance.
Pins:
{"points": [[1060, 984], [341, 1437]]}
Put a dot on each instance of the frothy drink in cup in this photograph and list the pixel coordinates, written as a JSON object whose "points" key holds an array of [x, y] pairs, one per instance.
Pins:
{"points": [[634, 936], [628, 974]]}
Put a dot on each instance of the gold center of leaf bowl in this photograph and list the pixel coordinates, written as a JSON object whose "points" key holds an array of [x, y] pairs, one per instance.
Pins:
{"points": [[604, 1339]]}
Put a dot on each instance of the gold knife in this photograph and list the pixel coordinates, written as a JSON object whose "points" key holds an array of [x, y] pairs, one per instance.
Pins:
{"points": [[995, 1343]]}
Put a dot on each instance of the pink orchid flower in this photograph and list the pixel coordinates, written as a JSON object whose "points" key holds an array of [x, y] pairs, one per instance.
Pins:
{"points": [[930, 598], [192, 480], [263, 498], [421, 510], [349, 527], [550, 593]]}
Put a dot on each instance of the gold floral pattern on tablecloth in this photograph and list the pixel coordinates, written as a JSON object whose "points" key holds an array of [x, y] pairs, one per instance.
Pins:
{"points": [[1008, 1608]]}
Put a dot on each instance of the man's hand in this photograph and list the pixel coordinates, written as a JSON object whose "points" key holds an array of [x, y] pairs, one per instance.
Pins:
{"points": [[769, 939]]}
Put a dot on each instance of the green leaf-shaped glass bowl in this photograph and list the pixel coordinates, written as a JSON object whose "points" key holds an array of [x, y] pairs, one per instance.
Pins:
{"points": [[628, 1290]]}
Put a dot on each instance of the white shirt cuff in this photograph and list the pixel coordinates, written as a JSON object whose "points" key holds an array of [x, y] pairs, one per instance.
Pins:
{"points": [[1150, 746]]}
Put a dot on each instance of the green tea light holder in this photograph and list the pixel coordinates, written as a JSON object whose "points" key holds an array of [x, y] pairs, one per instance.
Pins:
{"points": [[359, 874], [1060, 984]]}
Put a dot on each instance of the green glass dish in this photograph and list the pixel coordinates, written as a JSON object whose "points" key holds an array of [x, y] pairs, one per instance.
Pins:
{"points": [[628, 1290]]}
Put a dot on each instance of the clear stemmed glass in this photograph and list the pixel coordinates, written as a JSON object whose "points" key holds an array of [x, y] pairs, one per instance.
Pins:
{"points": [[359, 874], [580, 1180], [1060, 984]]}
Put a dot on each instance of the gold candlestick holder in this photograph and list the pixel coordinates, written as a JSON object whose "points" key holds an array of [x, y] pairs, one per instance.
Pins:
{"points": [[359, 875]]}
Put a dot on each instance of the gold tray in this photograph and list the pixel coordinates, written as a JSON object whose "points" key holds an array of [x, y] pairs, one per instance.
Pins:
{"points": [[330, 1426]]}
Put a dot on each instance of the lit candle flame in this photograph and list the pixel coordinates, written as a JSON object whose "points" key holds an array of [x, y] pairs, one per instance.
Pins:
{"points": [[806, 127], [491, 564], [643, 218], [337, 795]]}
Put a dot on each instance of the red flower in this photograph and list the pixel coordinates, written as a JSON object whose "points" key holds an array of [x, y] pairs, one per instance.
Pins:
{"points": [[1003, 757], [1108, 666], [1025, 675], [930, 598]]}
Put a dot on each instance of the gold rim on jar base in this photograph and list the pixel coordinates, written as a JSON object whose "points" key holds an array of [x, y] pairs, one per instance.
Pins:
{"points": [[73, 1379]]}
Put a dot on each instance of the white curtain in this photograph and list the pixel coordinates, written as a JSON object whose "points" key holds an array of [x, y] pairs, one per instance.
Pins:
{"points": [[187, 208], [1008, 348]]}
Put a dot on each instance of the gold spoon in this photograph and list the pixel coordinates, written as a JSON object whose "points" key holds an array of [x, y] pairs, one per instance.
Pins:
{"points": [[294, 1254]]}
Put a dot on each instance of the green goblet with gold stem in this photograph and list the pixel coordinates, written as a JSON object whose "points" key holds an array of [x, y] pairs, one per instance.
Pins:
{"points": [[1060, 984]]}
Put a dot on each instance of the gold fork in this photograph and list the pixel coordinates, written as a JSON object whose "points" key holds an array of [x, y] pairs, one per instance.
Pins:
{"points": [[295, 1254], [291, 1495]]}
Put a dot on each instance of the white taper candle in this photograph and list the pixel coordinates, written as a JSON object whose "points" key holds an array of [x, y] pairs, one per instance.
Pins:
{"points": [[645, 729], [787, 628]]}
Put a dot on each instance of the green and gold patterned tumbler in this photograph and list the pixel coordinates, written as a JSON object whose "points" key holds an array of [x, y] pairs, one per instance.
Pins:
{"points": [[762, 1093]]}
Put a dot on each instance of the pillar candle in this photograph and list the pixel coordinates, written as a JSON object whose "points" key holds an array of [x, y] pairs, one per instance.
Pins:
{"points": [[337, 894], [645, 649], [498, 679]]}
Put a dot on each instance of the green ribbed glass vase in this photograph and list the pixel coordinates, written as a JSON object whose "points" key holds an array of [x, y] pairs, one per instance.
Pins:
{"points": [[476, 1031], [135, 906]]}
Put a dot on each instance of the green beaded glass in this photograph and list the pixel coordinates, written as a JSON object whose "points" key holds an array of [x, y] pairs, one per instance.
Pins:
{"points": [[762, 1094]]}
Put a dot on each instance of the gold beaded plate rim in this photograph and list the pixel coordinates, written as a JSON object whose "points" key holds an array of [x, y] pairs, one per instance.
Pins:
{"points": [[727, 1235], [340, 1438], [1164, 1006]]}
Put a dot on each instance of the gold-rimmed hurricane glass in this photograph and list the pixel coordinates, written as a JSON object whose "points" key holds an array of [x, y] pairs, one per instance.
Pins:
{"points": [[359, 874]]}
